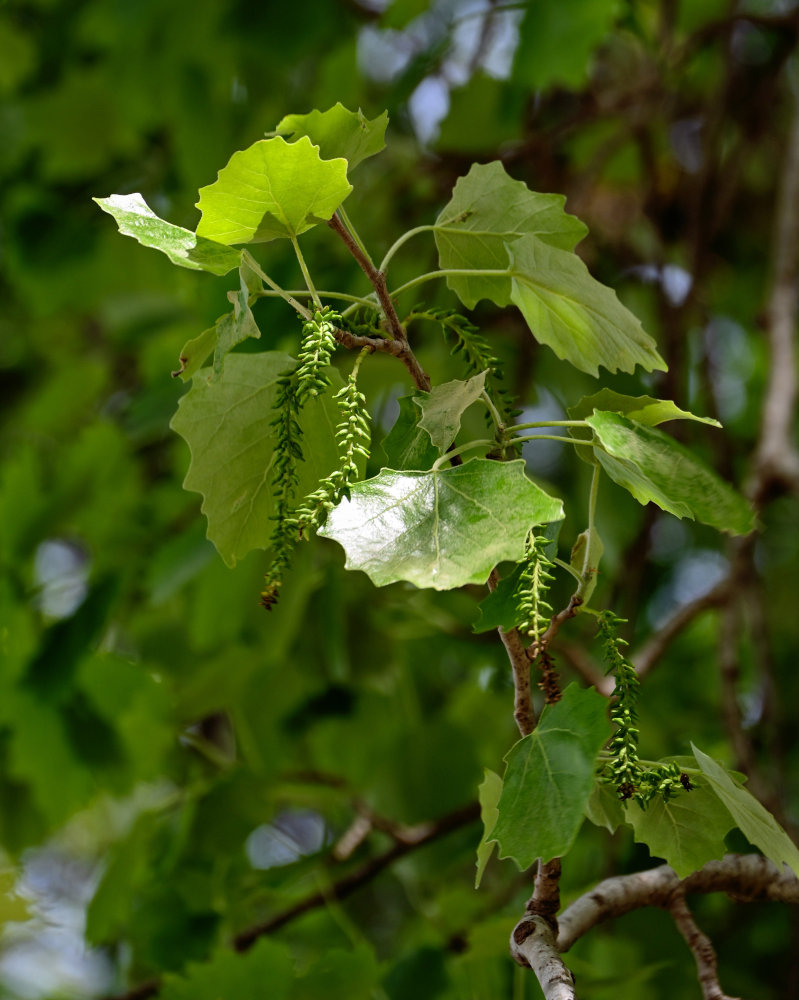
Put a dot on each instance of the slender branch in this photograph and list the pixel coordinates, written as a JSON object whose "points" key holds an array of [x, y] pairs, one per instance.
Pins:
{"points": [[571, 609], [348, 223], [777, 458], [748, 877], [357, 300], [523, 711], [701, 946]]}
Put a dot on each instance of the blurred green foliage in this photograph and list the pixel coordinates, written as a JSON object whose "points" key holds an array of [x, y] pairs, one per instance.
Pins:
{"points": [[193, 759]]}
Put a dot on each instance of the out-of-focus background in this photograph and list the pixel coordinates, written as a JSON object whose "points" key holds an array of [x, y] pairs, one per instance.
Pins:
{"points": [[174, 764]]}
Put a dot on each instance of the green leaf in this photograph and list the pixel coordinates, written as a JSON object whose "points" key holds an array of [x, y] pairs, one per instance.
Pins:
{"points": [[501, 608], [642, 409], [239, 325], [227, 423], [557, 41], [604, 808], [340, 975], [488, 794], [581, 319], [487, 211], [135, 218], [753, 820], [339, 132], [550, 777], [230, 976], [587, 566], [195, 352], [654, 467], [686, 831], [272, 189], [444, 405], [443, 528], [407, 446]]}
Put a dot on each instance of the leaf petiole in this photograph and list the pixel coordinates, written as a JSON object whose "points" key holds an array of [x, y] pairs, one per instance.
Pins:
{"points": [[402, 240], [253, 264]]}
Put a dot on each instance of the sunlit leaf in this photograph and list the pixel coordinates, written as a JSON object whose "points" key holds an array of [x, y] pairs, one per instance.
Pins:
{"points": [[487, 211], [642, 409], [654, 467], [581, 319], [753, 820], [227, 423], [443, 528], [272, 189], [135, 218], [338, 132], [550, 777]]}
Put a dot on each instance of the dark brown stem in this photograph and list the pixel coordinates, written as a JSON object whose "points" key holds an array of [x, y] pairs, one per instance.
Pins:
{"points": [[701, 946], [399, 339]]}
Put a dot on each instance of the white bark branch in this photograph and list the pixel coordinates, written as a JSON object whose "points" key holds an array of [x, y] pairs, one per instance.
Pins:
{"points": [[532, 944], [701, 946]]}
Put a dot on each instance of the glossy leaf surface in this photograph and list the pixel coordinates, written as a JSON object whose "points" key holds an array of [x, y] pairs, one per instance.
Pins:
{"points": [[272, 189], [654, 467], [443, 528], [135, 218]]}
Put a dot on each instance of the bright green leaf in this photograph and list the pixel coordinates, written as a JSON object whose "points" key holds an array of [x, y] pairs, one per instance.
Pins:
{"points": [[338, 132], [239, 325], [488, 793], [581, 319], [195, 352], [550, 777], [272, 189], [227, 423], [487, 211], [443, 407], [135, 218], [654, 467], [407, 446], [443, 528], [642, 409], [686, 831], [753, 820], [266, 969]]}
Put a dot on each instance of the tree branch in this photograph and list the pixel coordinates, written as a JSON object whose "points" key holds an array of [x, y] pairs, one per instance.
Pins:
{"points": [[701, 946], [532, 945]]}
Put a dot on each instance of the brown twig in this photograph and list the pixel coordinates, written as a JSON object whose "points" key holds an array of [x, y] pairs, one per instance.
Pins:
{"points": [[701, 946], [523, 711], [401, 348]]}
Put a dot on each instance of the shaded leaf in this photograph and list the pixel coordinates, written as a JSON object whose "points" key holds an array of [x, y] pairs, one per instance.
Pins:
{"points": [[550, 777], [488, 794], [501, 608], [444, 405], [407, 446], [340, 975], [642, 409], [227, 423], [230, 976], [338, 132], [654, 467], [604, 808], [239, 325], [272, 189], [487, 211], [443, 528], [581, 319], [753, 820], [135, 218], [686, 831]]}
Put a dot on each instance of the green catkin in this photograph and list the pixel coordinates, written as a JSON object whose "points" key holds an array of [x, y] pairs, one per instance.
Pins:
{"points": [[535, 582], [316, 350], [624, 770]]}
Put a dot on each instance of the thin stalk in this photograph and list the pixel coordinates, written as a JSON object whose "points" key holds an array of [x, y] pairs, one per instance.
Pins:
{"points": [[306, 273], [548, 423], [591, 514], [492, 410], [447, 456], [253, 264], [354, 234], [545, 437], [357, 300], [398, 243], [569, 569], [451, 272]]}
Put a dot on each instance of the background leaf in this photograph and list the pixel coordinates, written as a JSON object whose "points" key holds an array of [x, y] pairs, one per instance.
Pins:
{"points": [[443, 407], [488, 793], [272, 189], [442, 528]]}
